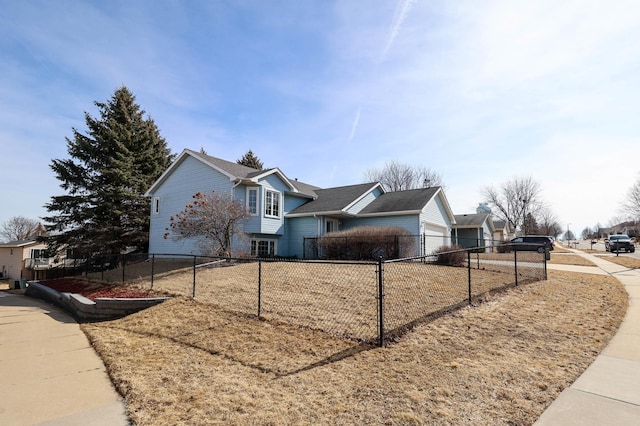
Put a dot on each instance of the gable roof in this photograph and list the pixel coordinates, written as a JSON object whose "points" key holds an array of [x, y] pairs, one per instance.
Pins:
{"points": [[231, 169], [19, 243], [476, 220], [234, 171], [335, 200], [501, 225], [411, 201]]}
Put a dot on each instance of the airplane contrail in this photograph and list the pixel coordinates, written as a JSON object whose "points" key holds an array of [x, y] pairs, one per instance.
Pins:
{"points": [[354, 127], [402, 10]]}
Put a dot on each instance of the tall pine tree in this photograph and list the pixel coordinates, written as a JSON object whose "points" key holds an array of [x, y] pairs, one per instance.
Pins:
{"points": [[111, 167], [250, 160]]}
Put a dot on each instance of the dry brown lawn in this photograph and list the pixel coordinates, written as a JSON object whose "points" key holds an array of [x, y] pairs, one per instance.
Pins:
{"points": [[340, 298], [502, 361], [569, 259], [629, 262]]}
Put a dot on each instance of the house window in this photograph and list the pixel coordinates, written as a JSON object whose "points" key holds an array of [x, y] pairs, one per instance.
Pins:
{"points": [[252, 201], [331, 225], [156, 205], [272, 203], [11, 252], [38, 253], [263, 248]]}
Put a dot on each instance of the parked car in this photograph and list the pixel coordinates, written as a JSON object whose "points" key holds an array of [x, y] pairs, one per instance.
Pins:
{"points": [[618, 243], [533, 243]]}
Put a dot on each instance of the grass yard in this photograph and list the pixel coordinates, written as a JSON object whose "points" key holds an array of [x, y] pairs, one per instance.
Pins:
{"points": [[569, 259], [502, 361], [629, 262], [337, 298]]}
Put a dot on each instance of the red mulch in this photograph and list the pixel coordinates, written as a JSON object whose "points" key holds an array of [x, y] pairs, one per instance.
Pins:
{"points": [[94, 290]]}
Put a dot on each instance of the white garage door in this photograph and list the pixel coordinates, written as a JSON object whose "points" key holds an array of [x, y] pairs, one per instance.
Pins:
{"points": [[434, 236]]}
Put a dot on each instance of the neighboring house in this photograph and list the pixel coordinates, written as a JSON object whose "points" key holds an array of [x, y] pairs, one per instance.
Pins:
{"points": [[473, 230], [629, 228], [605, 232], [22, 259], [284, 212], [502, 230]]}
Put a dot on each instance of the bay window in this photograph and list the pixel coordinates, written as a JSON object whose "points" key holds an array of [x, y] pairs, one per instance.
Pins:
{"points": [[272, 203]]}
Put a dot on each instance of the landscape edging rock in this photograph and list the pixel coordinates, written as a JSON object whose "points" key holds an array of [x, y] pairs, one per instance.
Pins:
{"points": [[83, 309]]}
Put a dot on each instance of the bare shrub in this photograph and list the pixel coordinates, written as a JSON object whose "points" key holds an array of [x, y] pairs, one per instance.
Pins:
{"points": [[451, 255], [368, 242]]}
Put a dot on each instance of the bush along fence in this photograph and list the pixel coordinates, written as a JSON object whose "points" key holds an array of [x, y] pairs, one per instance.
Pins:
{"points": [[367, 301], [390, 246]]}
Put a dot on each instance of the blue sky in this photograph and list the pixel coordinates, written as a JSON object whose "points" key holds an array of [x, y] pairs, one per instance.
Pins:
{"points": [[479, 91]]}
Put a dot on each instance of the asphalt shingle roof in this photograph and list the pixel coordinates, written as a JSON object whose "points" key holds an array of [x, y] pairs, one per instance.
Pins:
{"points": [[230, 167], [244, 172], [400, 201], [470, 220], [18, 243], [499, 224], [334, 199]]}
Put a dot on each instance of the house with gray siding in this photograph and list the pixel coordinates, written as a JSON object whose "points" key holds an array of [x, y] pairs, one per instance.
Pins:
{"points": [[283, 212], [473, 230], [502, 230]]}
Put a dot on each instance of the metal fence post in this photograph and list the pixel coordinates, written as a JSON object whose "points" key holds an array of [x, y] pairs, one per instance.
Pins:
{"points": [[469, 272], [259, 287], [193, 291], [515, 263], [380, 303], [153, 264], [546, 252]]}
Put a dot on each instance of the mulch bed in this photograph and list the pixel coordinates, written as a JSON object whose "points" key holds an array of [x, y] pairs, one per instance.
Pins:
{"points": [[92, 290]]}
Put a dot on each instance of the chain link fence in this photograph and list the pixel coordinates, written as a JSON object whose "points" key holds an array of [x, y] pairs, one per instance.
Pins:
{"points": [[364, 301], [391, 246]]}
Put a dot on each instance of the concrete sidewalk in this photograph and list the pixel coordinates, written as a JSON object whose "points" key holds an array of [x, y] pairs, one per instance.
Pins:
{"points": [[49, 373], [608, 392]]}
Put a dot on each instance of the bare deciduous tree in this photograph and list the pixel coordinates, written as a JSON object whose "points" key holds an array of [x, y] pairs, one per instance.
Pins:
{"points": [[586, 233], [395, 176], [514, 200], [19, 228], [548, 223], [632, 205], [213, 217]]}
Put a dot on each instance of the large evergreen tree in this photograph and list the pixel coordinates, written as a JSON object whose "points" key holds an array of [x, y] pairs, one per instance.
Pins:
{"points": [[111, 167], [250, 160]]}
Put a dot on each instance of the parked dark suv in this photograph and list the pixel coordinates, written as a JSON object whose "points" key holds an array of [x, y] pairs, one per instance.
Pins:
{"points": [[533, 243], [619, 242]]}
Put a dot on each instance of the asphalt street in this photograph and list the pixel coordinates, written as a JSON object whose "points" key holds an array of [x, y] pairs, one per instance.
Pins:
{"points": [[599, 246]]}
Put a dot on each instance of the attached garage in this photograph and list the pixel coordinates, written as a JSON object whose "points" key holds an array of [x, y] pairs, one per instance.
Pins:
{"points": [[435, 236]]}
